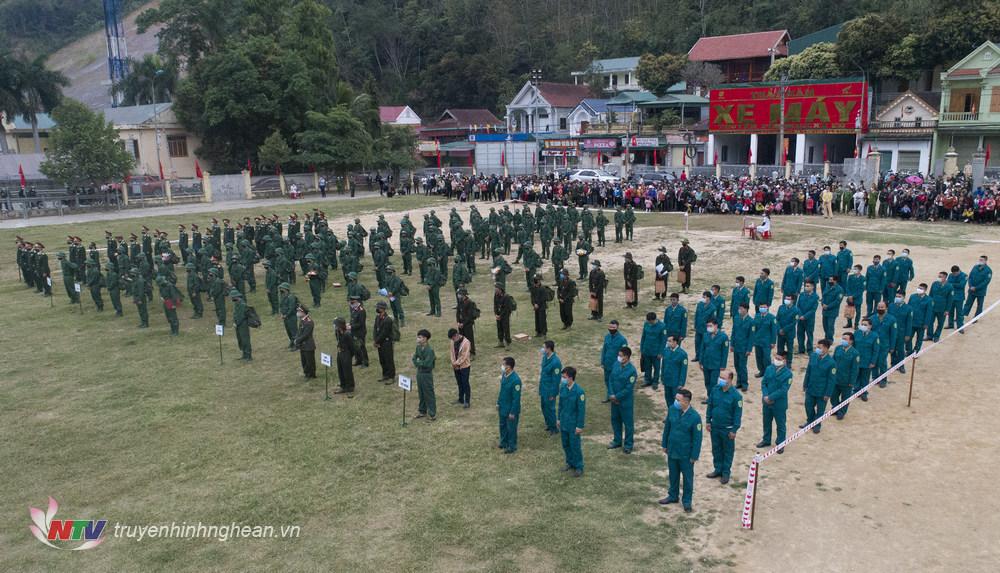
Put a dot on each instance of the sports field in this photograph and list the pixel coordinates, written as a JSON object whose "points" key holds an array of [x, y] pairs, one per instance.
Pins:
{"points": [[141, 428]]}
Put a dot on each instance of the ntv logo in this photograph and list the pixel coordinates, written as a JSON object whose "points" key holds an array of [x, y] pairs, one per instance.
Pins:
{"points": [[46, 529]]}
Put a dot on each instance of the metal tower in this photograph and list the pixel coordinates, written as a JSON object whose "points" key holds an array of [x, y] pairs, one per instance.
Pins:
{"points": [[114, 29]]}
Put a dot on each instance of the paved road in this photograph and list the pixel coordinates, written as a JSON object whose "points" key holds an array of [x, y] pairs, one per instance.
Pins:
{"points": [[142, 212]]}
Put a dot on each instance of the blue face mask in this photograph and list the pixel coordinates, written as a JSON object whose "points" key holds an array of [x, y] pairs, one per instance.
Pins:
{"points": [[843, 342], [763, 309], [677, 404], [720, 383], [818, 351]]}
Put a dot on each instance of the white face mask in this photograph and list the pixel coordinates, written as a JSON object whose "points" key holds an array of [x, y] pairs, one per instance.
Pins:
{"points": [[864, 328], [503, 370], [778, 363], [711, 329], [920, 291], [621, 359], [898, 299], [788, 302]]}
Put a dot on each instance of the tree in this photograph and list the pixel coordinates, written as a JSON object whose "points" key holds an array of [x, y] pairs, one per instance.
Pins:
{"points": [[84, 149], [41, 91], [396, 149], [701, 75], [149, 80], [192, 28], [274, 152], [658, 73], [335, 140], [865, 41], [11, 98], [817, 62]]}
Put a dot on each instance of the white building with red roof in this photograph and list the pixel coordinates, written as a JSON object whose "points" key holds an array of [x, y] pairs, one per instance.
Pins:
{"points": [[398, 115], [742, 57], [544, 107]]}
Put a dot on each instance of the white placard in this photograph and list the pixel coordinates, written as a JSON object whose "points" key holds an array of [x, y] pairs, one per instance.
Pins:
{"points": [[48, 281], [218, 330], [324, 358], [76, 287], [404, 382]]}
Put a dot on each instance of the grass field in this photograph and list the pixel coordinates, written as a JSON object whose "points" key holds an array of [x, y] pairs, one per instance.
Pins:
{"points": [[137, 427]]}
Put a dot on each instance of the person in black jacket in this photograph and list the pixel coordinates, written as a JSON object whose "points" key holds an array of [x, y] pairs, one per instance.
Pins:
{"points": [[466, 315], [345, 354], [384, 337], [305, 342], [359, 330]]}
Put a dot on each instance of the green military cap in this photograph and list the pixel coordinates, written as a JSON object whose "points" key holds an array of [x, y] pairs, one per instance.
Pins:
{"points": [[108, 266], [352, 275], [161, 279], [310, 257], [596, 263], [189, 266], [498, 285], [662, 249], [235, 294], [684, 241], [381, 304], [354, 297], [60, 255], [133, 271], [285, 286], [497, 251], [213, 271], [419, 240]]}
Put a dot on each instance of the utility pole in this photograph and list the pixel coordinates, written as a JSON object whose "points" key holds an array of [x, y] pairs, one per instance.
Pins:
{"points": [[780, 151], [156, 133]]}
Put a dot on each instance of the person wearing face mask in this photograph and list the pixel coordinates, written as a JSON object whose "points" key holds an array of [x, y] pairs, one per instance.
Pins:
{"points": [[719, 302], [703, 312], [867, 344], [904, 327], [722, 420], [885, 325], [874, 284], [503, 307], [957, 279], [548, 385], [848, 361], [791, 281], [384, 338], [979, 281], [675, 318], [922, 308], [774, 400], [806, 303], [650, 347], [741, 342], [423, 360], [845, 260], [673, 372], [765, 337], [827, 267], [305, 342], [509, 405], [572, 412], [810, 268], [681, 442], [854, 292], [597, 282], [890, 265], [739, 296], [622, 391], [763, 289], [819, 383], [715, 354], [904, 270], [613, 342], [788, 318], [833, 295], [941, 297]]}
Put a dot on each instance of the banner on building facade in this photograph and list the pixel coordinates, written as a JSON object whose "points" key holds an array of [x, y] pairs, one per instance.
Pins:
{"points": [[835, 107], [600, 143]]}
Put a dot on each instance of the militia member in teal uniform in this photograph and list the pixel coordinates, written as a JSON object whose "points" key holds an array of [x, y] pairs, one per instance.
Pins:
{"points": [[788, 318], [763, 290], [681, 442], [740, 295], [623, 377], [741, 343], [675, 318], [722, 420], [867, 343], [956, 314], [509, 405], [979, 281], [848, 361], [941, 300], [572, 412], [833, 295], [714, 356], [885, 325], [904, 326], [854, 293], [423, 361], [674, 368], [874, 284], [765, 337], [613, 342], [774, 399], [704, 311], [651, 344], [548, 385], [791, 281], [821, 377], [807, 303]]}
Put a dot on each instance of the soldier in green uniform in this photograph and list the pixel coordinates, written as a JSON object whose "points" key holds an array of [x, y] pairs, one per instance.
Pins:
{"points": [[423, 360], [509, 405], [597, 282], [629, 222], [314, 280], [171, 298], [395, 289], [583, 250], [113, 282], [95, 282], [288, 302], [722, 420], [68, 269], [559, 257], [621, 394], [774, 399], [434, 281], [500, 268], [619, 224], [242, 325], [358, 328], [42, 274], [503, 306], [460, 275], [384, 339], [681, 442], [540, 297], [570, 423], [821, 377], [195, 286], [545, 235], [406, 250], [217, 292], [271, 282], [138, 293], [345, 354], [548, 385], [566, 292], [600, 222]]}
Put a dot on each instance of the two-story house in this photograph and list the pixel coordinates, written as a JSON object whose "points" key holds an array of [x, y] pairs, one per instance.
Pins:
{"points": [[544, 107], [970, 107], [742, 57], [903, 131], [615, 74]]}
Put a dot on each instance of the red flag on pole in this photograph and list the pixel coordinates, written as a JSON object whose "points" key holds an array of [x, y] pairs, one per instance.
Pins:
{"points": [[824, 153], [784, 152], [715, 157], [24, 182], [656, 158], [437, 149], [565, 158], [749, 156], [503, 158], [855, 151], [985, 164], [161, 171], [197, 170], [277, 170], [684, 157], [249, 168]]}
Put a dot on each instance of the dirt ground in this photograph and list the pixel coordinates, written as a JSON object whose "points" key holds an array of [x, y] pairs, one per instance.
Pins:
{"points": [[889, 487]]}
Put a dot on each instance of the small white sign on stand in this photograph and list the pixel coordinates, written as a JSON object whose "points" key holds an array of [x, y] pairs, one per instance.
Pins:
{"points": [[48, 281], [404, 382], [76, 287], [218, 330], [325, 359]]}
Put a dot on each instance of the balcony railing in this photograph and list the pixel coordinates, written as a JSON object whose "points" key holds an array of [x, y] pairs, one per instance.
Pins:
{"points": [[901, 124], [960, 116]]}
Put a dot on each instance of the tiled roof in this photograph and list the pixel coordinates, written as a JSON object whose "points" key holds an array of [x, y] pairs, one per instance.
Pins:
{"points": [[615, 64], [737, 46], [467, 117], [389, 113], [137, 114], [563, 95]]}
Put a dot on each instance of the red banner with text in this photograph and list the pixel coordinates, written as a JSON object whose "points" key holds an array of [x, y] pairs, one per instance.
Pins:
{"points": [[839, 107]]}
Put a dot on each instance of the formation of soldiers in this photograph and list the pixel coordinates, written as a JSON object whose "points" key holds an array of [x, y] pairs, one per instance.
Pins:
{"points": [[221, 264]]}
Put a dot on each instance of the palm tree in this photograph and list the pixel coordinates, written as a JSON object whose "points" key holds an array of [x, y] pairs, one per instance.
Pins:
{"points": [[144, 77], [41, 91], [11, 99]]}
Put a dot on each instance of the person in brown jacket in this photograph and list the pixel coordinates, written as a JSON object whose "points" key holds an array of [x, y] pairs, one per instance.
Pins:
{"points": [[461, 362], [305, 342]]}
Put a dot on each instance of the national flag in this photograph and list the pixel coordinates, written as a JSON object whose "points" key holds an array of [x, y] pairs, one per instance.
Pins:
{"points": [[161, 171], [437, 148], [984, 165], [750, 156], [784, 152], [277, 170], [197, 170], [656, 158], [684, 157], [715, 157], [503, 158], [249, 168], [824, 153], [24, 182]]}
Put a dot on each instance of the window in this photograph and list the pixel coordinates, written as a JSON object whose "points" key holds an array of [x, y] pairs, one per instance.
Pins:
{"points": [[177, 145], [628, 79], [614, 79], [131, 146], [812, 150], [724, 156], [562, 123]]}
